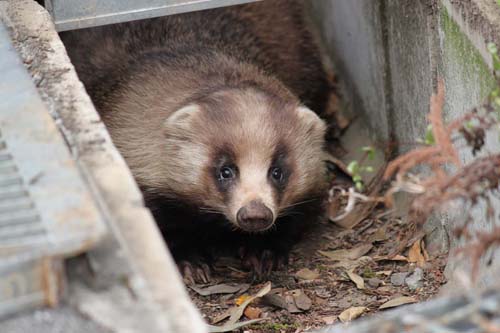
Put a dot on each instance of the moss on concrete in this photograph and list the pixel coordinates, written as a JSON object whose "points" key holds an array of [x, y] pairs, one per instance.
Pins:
{"points": [[462, 62]]}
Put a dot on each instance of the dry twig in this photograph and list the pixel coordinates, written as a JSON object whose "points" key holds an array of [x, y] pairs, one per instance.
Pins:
{"points": [[467, 183]]}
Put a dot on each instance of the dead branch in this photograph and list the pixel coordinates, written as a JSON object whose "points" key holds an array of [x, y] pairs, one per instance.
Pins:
{"points": [[442, 185]]}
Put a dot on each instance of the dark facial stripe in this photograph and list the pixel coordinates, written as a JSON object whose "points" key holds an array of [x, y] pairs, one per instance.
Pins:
{"points": [[280, 160], [224, 158]]}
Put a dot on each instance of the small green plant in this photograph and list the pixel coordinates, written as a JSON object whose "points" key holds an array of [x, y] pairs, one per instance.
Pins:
{"points": [[429, 139], [368, 273], [322, 268], [494, 97], [356, 168]]}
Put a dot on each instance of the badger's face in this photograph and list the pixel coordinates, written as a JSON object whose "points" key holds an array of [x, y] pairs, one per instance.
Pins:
{"points": [[246, 155]]}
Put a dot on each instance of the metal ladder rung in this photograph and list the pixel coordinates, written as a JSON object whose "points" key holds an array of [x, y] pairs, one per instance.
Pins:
{"points": [[23, 202], [16, 232], [19, 217]]}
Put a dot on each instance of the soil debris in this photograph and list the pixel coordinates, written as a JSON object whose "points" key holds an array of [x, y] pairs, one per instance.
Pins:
{"points": [[398, 279], [316, 289], [351, 254], [414, 281], [306, 274]]}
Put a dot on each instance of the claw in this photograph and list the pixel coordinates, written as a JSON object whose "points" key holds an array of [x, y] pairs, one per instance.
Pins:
{"points": [[262, 262], [186, 270], [194, 272]]}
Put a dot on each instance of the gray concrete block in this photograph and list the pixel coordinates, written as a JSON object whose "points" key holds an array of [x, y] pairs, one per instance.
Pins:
{"points": [[410, 41], [389, 53], [352, 32], [134, 258]]}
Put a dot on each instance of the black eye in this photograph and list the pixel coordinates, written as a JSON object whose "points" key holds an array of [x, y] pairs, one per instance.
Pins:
{"points": [[226, 173], [277, 174]]}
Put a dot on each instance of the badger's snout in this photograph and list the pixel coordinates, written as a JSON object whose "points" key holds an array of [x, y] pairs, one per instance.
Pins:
{"points": [[255, 217]]}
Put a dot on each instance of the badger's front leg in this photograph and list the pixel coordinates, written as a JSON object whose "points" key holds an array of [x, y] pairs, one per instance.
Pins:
{"points": [[261, 260], [267, 252], [189, 238]]}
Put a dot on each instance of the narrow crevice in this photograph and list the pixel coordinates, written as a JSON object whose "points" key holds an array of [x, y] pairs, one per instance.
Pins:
{"points": [[388, 88]]}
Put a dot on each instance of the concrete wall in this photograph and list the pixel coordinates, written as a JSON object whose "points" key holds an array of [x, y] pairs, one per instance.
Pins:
{"points": [[352, 32], [129, 282], [389, 53]]}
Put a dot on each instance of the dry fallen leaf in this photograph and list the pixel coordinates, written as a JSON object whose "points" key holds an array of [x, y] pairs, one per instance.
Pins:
{"points": [[358, 280], [307, 274], [275, 300], [252, 312], [362, 209], [237, 312], [220, 289], [386, 273], [397, 257], [379, 236], [350, 265], [397, 302], [351, 313], [359, 214], [290, 304], [415, 254], [240, 300], [301, 300], [351, 254], [335, 203], [329, 319], [224, 315]]}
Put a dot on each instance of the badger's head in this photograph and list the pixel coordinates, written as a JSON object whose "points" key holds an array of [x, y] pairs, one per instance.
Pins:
{"points": [[245, 154]]}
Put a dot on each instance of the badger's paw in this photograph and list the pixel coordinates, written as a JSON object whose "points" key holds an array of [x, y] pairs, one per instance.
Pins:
{"points": [[194, 271], [261, 262]]}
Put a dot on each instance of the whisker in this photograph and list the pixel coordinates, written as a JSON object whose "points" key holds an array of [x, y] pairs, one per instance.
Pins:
{"points": [[300, 203], [288, 210]]}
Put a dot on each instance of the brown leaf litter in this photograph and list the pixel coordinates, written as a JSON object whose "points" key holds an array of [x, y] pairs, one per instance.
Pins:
{"points": [[334, 275]]}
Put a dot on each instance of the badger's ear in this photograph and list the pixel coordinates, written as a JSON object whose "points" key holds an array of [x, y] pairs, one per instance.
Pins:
{"points": [[181, 119], [311, 119]]}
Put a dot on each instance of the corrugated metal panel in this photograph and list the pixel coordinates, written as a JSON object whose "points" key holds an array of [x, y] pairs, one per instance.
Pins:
{"points": [[29, 283], [46, 209], [76, 14]]}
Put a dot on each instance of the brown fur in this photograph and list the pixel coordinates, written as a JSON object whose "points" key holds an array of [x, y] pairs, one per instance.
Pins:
{"points": [[240, 74]]}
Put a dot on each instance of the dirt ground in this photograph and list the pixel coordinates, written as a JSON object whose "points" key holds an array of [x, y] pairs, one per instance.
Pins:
{"points": [[379, 264]]}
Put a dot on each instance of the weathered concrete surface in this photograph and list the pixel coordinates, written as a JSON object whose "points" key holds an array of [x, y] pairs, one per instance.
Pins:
{"points": [[465, 65], [390, 54], [352, 33], [131, 275], [410, 37], [62, 320], [413, 56], [478, 20]]}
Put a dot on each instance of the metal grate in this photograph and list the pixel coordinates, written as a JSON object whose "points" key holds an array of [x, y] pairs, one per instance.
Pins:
{"points": [[20, 224], [47, 211], [46, 207]]}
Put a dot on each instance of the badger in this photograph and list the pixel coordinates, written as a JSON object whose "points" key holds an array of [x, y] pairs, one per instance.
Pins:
{"points": [[216, 114]]}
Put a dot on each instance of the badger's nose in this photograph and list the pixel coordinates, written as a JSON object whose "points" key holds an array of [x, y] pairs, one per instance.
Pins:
{"points": [[254, 217]]}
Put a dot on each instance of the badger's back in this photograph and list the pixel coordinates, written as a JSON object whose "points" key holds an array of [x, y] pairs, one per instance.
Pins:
{"points": [[271, 35]]}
